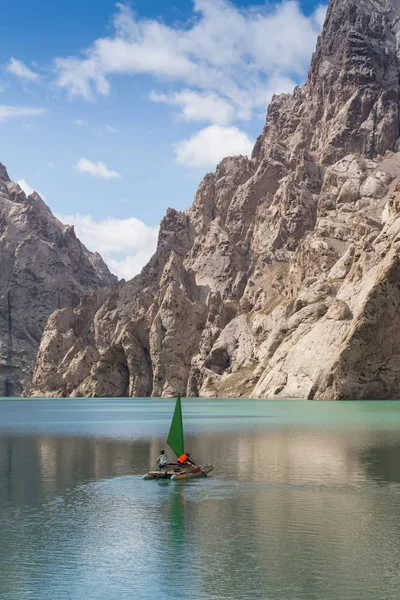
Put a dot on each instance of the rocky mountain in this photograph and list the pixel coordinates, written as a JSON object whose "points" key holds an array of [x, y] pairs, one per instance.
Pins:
{"points": [[44, 267], [283, 277]]}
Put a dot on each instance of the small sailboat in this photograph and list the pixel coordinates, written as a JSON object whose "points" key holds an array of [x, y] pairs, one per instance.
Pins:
{"points": [[177, 471]]}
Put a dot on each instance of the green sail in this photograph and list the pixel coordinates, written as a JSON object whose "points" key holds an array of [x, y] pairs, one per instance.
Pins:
{"points": [[175, 436]]}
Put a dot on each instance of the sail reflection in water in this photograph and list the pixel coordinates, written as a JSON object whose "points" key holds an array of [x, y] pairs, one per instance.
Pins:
{"points": [[304, 503]]}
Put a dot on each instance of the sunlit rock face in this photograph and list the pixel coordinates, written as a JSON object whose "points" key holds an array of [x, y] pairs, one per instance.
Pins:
{"points": [[280, 279], [43, 267]]}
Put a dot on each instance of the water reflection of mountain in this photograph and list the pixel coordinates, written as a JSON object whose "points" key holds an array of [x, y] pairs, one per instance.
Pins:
{"points": [[289, 514], [382, 462], [33, 469]]}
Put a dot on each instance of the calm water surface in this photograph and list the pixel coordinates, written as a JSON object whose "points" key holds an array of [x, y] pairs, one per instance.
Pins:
{"points": [[304, 502]]}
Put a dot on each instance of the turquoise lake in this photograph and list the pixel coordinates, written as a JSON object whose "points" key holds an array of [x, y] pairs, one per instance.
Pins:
{"points": [[303, 502]]}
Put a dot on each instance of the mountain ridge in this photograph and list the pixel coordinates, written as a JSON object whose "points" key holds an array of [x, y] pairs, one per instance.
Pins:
{"points": [[44, 267], [269, 284]]}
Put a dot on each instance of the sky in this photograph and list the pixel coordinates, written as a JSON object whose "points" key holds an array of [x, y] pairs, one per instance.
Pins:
{"points": [[114, 111]]}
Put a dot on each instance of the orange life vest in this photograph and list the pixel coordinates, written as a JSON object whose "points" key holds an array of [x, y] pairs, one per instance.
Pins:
{"points": [[182, 459]]}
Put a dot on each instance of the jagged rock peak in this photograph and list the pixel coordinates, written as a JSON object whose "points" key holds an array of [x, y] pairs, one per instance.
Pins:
{"points": [[3, 173], [350, 101], [44, 267]]}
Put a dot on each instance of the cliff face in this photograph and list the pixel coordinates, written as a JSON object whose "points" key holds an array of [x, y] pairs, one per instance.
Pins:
{"points": [[43, 267], [281, 279]]}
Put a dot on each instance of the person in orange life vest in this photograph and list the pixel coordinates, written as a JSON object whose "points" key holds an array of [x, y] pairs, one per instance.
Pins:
{"points": [[185, 459]]}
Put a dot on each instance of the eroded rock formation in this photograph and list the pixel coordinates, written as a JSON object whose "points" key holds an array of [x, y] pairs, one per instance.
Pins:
{"points": [[281, 279], [43, 267]]}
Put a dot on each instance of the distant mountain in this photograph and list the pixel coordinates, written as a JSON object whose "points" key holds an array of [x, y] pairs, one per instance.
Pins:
{"points": [[43, 267], [283, 277]]}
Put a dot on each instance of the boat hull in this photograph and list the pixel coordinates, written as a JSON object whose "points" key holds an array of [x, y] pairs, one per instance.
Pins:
{"points": [[198, 472], [178, 474]]}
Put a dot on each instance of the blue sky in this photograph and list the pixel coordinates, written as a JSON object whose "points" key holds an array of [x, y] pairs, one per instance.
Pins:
{"points": [[115, 111]]}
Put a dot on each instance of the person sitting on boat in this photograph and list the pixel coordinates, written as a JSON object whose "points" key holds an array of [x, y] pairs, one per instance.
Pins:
{"points": [[185, 459], [162, 460]]}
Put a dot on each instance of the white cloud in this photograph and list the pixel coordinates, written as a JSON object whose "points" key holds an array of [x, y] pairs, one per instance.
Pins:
{"points": [[319, 15], [130, 239], [18, 68], [130, 266], [24, 185], [203, 106], [18, 112], [27, 188], [110, 129], [98, 169], [232, 72], [210, 145]]}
